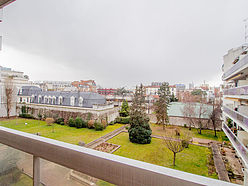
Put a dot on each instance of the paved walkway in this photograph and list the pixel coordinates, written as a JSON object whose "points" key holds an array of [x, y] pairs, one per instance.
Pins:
{"points": [[219, 164], [106, 137]]}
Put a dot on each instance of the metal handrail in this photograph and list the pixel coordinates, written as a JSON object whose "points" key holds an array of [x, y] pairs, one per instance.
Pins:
{"points": [[237, 117], [242, 90], [238, 145], [111, 168], [236, 67]]}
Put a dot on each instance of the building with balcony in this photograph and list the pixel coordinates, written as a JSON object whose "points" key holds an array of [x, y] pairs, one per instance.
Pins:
{"points": [[235, 100], [107, 91]]}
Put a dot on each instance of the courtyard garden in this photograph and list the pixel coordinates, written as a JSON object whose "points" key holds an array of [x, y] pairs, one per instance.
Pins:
{"points": [[206, 133], [58, 132], [193, 159]]}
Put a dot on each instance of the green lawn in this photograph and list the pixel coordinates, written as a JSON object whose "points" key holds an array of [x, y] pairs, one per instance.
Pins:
{"points": [[193, 159], [206, 134], [62, 132]]}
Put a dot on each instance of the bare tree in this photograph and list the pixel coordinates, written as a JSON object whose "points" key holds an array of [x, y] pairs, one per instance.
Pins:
{"points": [[189, 111], [174, 144], [9, 91], [200, 112], [215, 115]]}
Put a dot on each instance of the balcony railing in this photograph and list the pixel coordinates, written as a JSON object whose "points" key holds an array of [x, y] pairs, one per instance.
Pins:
{"points": [[239, 118], [237, 91], [236, 68], [111, 168], [237, 144]]}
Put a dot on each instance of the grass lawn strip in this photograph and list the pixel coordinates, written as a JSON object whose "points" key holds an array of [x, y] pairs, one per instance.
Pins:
{"points": [[62, 132]]}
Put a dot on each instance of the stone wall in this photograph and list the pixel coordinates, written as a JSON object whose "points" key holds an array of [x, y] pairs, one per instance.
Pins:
{"points": [[181, 121], [66, 112]]}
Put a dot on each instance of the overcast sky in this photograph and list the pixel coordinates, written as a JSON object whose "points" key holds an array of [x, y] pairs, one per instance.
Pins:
{"points": [[121, 43]]}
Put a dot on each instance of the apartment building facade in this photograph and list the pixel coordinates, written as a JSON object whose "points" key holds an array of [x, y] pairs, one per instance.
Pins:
{"points": [[235, 100], [14, 80]]}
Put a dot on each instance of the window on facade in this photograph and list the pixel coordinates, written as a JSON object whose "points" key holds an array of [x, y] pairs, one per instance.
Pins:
{"points": [[60, 100], [54, 100], [72, 101], [20, 99], [80, 102]]}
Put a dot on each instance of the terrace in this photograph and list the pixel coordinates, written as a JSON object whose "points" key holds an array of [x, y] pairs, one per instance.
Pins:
{"points": [[239, 118], [237, 144]]}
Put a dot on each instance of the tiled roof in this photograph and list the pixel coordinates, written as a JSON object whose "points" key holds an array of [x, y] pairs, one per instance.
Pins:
{"points": [[89, 98]]}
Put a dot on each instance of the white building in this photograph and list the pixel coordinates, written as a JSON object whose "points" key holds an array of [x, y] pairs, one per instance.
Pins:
{"points": [[55, 85], [18, 80], [153, 89], [235, 100]]}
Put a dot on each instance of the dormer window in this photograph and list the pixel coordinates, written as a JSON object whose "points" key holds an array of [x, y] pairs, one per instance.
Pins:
{"points": [[32, 99], [39, 99], [45, 99], [60, 100], [53, 100], [80, 101], [72, 101]]}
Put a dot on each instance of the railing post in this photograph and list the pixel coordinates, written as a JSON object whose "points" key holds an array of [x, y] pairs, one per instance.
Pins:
{"points": [[36, 171], [245, 171]]}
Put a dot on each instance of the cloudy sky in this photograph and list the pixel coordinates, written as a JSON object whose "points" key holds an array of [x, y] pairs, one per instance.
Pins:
{"points": [[121, 43]]}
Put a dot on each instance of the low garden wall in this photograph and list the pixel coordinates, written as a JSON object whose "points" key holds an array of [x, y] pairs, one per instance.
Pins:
{"points": [[57, 111], [181, 121]]}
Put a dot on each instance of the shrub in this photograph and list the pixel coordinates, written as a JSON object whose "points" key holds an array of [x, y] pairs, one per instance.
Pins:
{"points": [[28, 116], [24, 109], [98, 126], [62, 123], [71, 122], [44, 116], [185, 143], [123, 120], [78, 122], [185, 125], [104, 123], [59, 120], [49, 121], [91, 124], [117, 120], [39, 116], [112, 123], [139, 134], [84, 124]]}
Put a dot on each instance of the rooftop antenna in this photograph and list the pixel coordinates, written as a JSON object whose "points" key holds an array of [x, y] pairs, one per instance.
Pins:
{"points": [[246, 25]]}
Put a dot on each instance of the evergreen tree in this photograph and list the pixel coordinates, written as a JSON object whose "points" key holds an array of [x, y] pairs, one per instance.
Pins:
{"points": [[173, 98], [124, 112], [139, 131], [162, 104]]}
